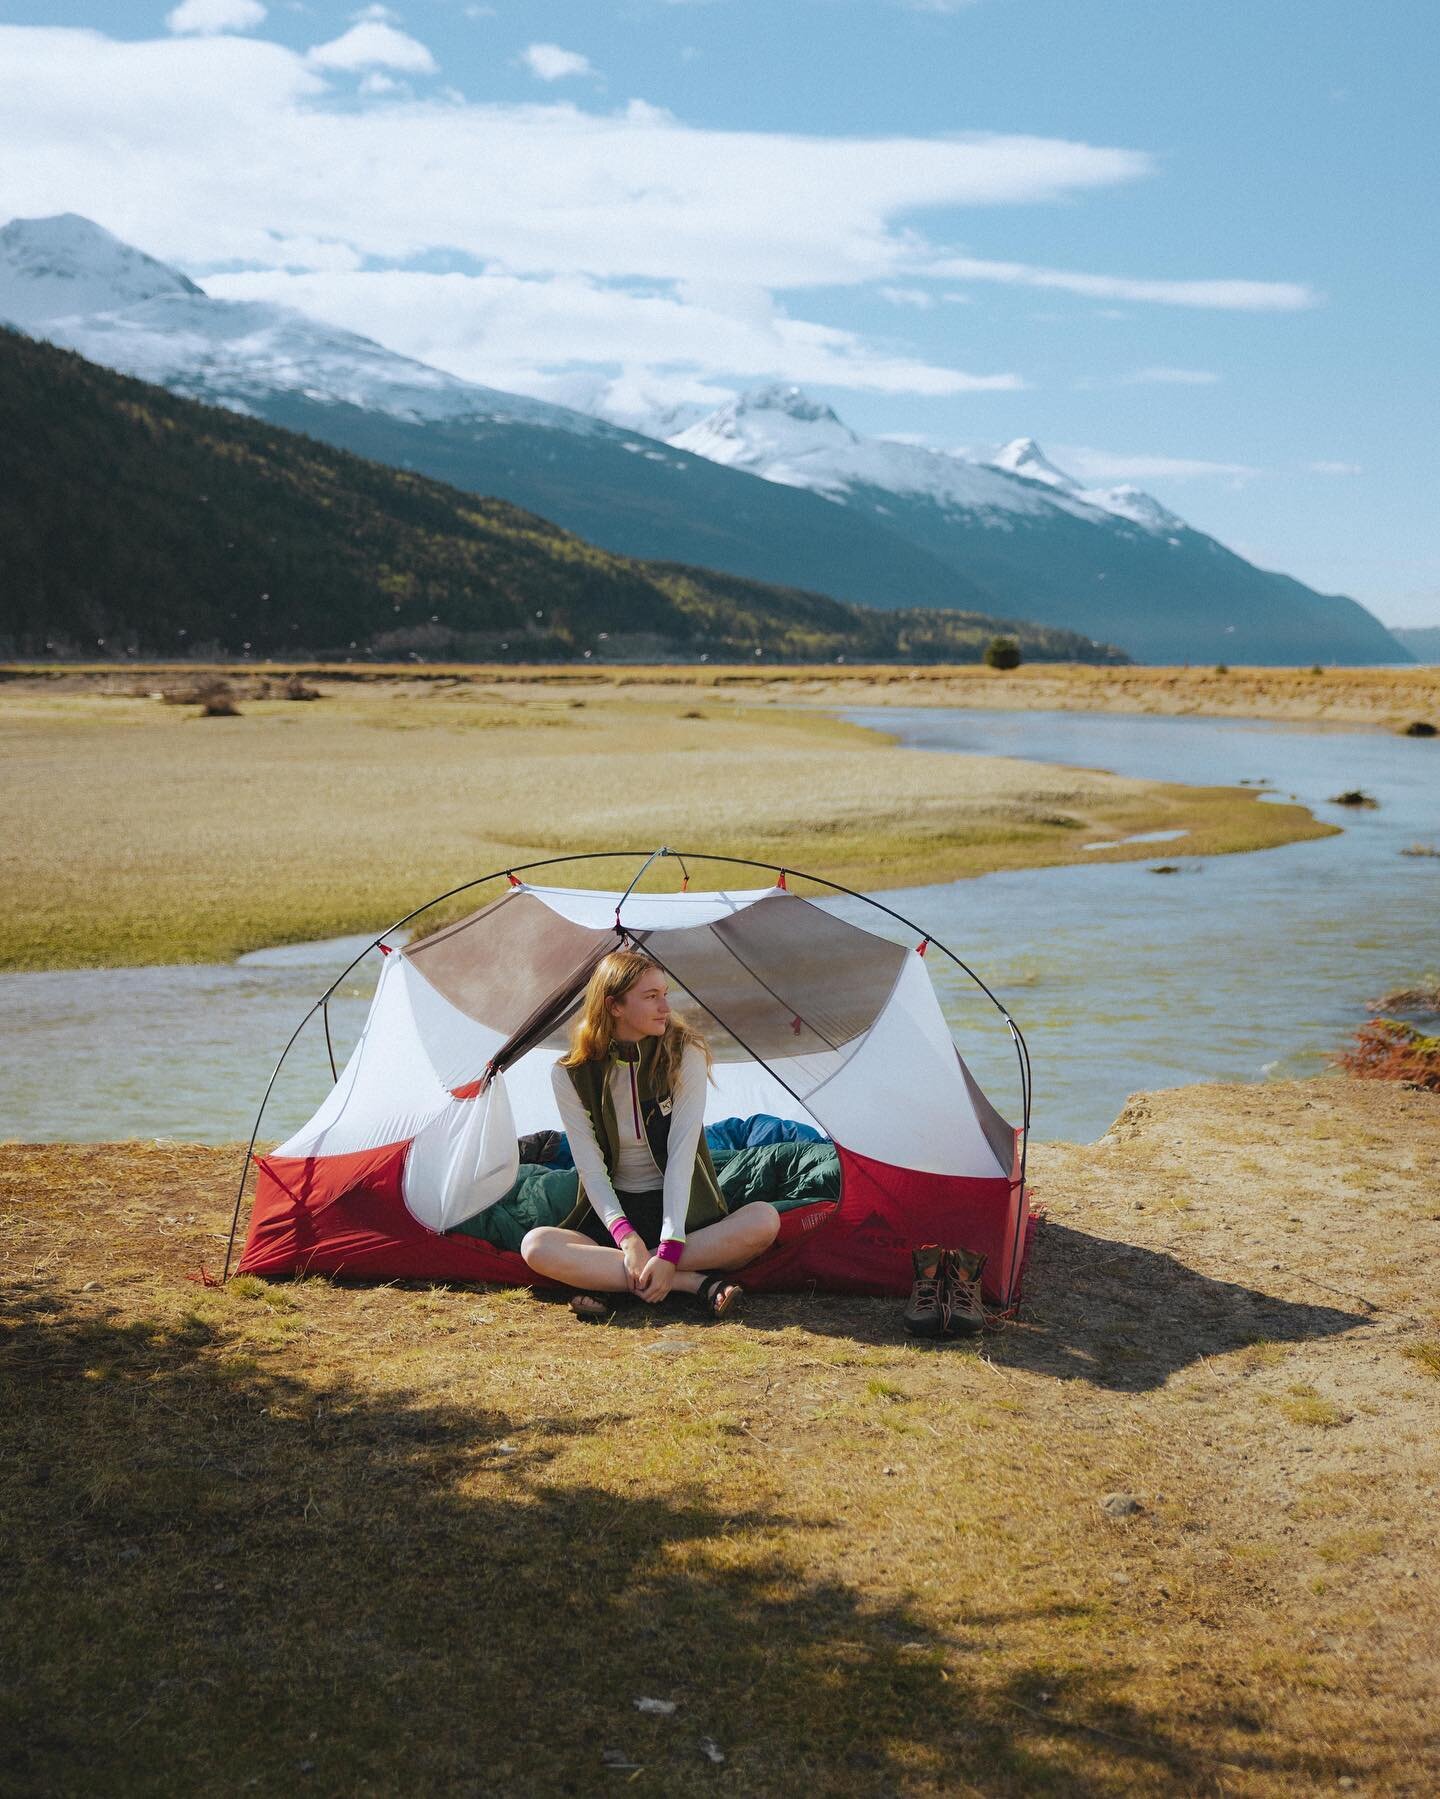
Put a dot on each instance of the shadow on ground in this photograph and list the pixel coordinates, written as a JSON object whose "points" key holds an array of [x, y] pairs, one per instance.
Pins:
{"points": [[1096, 1310], [222, 1576]]}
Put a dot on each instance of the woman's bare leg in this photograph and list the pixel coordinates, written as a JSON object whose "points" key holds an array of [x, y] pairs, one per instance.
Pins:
{"points": [[734, 1241], [578, 1261]]}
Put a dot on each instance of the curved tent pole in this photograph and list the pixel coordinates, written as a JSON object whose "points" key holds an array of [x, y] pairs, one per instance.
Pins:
{"points": [[322, 1004], [1022, 1049]]}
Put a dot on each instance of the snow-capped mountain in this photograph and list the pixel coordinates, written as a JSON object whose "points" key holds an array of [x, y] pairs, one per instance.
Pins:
{"points": [[70, 281], [772, 485], [1025, 458], [1112, 561], [786, 435], [62, 266]]}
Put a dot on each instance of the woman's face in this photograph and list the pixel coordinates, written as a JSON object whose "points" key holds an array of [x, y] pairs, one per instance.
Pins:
{"points": [[644, 1011]]}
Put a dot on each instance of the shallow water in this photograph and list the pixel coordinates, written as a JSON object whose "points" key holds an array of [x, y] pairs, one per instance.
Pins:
{"points": [[1235, 968]]}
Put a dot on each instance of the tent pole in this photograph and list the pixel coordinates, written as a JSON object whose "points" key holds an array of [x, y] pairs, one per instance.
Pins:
{"points": [[1022, 1049], [323, 1002]]}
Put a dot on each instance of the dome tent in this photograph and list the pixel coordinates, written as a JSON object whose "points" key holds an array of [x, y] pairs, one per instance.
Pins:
{"points": [[810, 1017]]}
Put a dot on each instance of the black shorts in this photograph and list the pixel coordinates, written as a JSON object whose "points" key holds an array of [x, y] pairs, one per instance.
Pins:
{"points": [[646, 1211]]}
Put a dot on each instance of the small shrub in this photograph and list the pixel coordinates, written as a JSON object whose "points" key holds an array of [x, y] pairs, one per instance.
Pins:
{"points": [[296, 689], [1317, 670], [1425, 1354], [1354, 796], [1002, 653], [1388, 1049], [217, 700], [1422, 849], [1222, 668], [1420, 728]]}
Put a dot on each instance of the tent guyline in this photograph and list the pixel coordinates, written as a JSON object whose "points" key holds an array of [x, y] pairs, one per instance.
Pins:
{"points": [[855, 1014]]}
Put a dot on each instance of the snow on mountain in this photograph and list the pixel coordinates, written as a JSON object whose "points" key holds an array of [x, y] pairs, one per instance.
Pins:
{"points": [[70, 281], [1024, 457], [56, 267], [784, 435]]}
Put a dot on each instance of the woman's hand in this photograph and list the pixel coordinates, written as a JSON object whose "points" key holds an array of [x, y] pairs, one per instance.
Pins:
{"points": [[636, 1259], [655, 1279]]}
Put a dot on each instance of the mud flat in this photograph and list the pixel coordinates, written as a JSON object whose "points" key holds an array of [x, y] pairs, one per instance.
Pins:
{"points": [[139, 832]]}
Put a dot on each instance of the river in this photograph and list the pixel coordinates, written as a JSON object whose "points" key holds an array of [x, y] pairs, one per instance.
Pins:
{"points": [[1236, 968]]}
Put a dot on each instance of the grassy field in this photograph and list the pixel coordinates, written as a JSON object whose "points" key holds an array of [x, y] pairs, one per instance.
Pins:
{"points": [[139, 832], [379, 1540]]}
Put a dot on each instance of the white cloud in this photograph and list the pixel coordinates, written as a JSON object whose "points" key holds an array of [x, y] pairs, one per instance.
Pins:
{"points": [[210, 150], [376, 83], [548, 62], [1334, 468], [384, 14], [1167, 377], [374, 45], [1113, 465], [524, 333], [917, 297], [216, 15], [1223, 295], [602, 239]]}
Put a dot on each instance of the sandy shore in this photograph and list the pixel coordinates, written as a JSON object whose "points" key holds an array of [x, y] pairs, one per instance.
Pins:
{"points": [[443, 1539]]}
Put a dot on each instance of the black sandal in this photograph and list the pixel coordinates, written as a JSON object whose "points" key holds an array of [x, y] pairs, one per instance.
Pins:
{"points": [[717, 1295]]}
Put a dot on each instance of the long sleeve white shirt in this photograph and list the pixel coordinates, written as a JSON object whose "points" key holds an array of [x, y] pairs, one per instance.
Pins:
{"points": [[636, 1170]]}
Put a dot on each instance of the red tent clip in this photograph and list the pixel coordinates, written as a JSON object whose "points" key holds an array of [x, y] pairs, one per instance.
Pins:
{"points": [[514, 880], [781, 882], [922, 946], [387, 949]]}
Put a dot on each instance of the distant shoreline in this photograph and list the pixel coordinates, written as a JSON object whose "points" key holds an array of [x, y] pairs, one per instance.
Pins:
{"points": [[1376, 698]]}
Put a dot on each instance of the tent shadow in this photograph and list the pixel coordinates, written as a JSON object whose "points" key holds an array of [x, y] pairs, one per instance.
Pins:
{"points": [[227, 1576], [1097, 1310], [1127, 1318]]}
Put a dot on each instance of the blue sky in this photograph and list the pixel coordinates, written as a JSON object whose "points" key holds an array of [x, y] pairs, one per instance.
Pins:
{"points": [[1189, 246]]}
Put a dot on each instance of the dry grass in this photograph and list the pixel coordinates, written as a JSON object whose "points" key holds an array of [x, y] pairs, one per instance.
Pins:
{"points": [[381, 1539], [139, 833]]}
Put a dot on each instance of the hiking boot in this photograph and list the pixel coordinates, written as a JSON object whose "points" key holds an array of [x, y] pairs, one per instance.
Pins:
{"points": [[960, 1292], [928, 1313]]}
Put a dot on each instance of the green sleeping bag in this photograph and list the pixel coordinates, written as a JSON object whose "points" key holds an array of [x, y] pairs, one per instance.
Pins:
{"points": [[785, 1174]]}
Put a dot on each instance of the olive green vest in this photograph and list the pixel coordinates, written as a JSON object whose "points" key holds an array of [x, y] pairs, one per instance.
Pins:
{"points": [[592, 1083]]}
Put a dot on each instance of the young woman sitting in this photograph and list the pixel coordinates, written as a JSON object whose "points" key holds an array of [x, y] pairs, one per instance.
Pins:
{"points": [[650, 1219]]}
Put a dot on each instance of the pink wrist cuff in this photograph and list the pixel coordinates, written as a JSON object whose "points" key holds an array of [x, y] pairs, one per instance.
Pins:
{"points": [[670, 1251], [620, 1230]]}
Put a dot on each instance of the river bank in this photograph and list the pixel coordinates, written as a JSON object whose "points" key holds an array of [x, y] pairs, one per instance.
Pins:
{"points": [[138, 832], [1375, 698], [899, 1561]]}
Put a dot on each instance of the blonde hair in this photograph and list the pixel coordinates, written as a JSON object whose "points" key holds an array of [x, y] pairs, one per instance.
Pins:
{"points": [[594, 1030]]}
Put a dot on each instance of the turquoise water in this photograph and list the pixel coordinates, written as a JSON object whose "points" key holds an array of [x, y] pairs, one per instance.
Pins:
{"points": [[1236, 968]]}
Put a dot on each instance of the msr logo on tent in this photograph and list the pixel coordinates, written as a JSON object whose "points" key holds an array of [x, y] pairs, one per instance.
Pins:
{"points": [[881, 1232]]}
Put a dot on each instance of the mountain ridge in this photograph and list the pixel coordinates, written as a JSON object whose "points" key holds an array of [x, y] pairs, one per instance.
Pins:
{"points": [[134, 521]]}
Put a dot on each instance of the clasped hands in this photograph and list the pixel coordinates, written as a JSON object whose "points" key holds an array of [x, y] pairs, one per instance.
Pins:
{"points": [[650, 1276]]}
